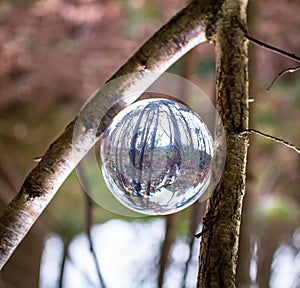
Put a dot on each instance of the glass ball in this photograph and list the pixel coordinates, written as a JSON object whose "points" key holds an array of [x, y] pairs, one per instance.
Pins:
{"points": [[156, 156]]}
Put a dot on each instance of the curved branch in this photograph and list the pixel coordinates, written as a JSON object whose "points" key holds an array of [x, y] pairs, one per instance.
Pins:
{"points": [[179, 35], [282, 73]]}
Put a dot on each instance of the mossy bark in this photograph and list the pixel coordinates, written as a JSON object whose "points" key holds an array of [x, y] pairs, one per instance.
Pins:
{"points": [[219, 245]]}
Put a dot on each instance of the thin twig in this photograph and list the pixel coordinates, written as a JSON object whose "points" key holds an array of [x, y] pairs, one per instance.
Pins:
{"points": [[278, 140], [279, 75], [63, 264], [89, 210], [200, 234], [86, 276], [89, 222], [272, 48], [275, 50]]}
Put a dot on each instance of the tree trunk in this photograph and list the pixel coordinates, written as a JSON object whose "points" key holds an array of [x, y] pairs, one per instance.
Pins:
{"points": [[169, 240], [219, 245], [243, 279]]}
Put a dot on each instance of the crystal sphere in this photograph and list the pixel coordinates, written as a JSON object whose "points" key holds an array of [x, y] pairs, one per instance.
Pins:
{"points": [[156, 156]]}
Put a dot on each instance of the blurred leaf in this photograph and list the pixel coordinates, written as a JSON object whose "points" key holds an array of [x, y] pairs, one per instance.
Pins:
{"points": [[140, 15], [272, 208], [206, 67]]}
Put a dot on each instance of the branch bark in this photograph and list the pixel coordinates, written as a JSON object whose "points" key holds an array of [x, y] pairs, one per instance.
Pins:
{"points": [[186, 30], [219, 245]]}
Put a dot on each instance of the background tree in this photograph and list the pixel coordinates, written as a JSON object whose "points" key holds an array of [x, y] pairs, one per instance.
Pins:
{"points": [[16, 73]]}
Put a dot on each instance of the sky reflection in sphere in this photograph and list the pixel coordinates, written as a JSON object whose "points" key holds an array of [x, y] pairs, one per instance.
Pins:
{"points": [[156, 156]]}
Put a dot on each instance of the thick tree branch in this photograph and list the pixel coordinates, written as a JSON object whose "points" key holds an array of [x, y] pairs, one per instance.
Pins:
{"points": [[219, 245], [183, 32]]}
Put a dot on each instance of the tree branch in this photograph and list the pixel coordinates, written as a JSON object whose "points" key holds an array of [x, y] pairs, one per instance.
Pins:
{"points": [[88, 224], [275, 50], [278, 140], [282, 73], [272, 48], [183, 32], [63, 264]]}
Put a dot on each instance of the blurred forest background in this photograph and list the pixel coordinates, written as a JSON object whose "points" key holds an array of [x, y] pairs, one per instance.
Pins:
{"points": [[53, 55]]}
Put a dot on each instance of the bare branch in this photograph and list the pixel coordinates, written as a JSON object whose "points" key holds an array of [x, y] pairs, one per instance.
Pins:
{"points": [[88, 223], [278, 140], [182, 33], [275, 50], [272, 48], [83, 273], [63, 264], [279, 75], [200, 234]]}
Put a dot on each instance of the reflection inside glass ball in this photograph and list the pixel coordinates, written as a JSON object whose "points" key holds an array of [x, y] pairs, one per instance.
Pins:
{"points": [[156, 156]]}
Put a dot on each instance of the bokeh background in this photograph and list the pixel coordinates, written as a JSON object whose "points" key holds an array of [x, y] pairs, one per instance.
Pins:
{"points": [[53, 55]]}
